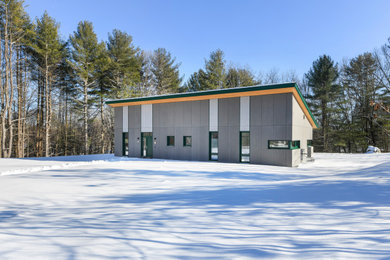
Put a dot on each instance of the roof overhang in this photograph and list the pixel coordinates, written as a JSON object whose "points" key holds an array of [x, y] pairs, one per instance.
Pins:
{"points": [[223, 93]]}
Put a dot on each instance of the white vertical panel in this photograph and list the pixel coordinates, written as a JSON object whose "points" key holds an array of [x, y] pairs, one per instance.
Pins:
{"points": [[213, 115], [125, 115], [146, 118], [244, 113]]}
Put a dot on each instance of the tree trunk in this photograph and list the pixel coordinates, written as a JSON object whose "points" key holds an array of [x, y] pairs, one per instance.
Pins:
{"points": [[85, 115], [102, 122], [47, 109]]}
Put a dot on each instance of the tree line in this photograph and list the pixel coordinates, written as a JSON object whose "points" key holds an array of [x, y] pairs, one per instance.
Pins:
{"points": [[52, 90], [350, 101]]}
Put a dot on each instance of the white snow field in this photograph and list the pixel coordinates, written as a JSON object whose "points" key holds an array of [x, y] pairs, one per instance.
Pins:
{"points": [[102, 207]]}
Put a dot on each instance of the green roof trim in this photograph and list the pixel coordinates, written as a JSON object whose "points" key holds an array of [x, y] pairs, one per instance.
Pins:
{"points": [[307, 107], [204, 93], [217, 91]]}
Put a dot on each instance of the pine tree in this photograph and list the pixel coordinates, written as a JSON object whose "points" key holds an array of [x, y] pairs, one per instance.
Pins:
{"points": [[215, 71], [239, 77], [48, 50], [212, 77], [165, 72], [321, 79], [360, 81], [125, 66], [85, 52], [14, 26]]}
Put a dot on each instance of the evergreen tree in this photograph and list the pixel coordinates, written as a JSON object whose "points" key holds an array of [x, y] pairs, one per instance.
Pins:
{"points": [[360, 82], [212, 77], [145, 86], [215, 71], [85, 53], [321, 80], [125, 66], [239, 77], [48, 50], [165, 72], [15, 25], [197, 81]]}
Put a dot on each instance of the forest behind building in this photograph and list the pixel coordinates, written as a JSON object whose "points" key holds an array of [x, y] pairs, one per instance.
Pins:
{"points": [[52, 90]]}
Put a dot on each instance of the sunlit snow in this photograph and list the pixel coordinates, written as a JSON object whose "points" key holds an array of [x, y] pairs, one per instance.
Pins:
{"points": [[100, 206]]}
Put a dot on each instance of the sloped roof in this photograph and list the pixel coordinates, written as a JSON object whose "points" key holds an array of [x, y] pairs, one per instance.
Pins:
{"points": [[290, 87]]}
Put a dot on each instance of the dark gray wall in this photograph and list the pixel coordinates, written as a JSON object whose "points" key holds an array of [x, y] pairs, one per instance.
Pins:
{"points": [[270, 119], [118, 129], [134, 131], [229, 130], [181, 119]]}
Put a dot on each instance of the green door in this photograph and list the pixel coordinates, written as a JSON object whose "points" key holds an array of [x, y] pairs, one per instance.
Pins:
{"points": [[147, 145]]}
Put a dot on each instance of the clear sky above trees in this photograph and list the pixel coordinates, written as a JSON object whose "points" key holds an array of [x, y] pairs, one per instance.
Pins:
{"points": [[287, 35]]}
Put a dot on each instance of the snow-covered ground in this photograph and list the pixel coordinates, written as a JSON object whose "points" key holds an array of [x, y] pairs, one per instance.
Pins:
{"points": [[96, 207]]}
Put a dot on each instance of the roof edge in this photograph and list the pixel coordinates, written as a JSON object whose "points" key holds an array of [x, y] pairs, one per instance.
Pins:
{"points": [[219, 91], [204, 93]]}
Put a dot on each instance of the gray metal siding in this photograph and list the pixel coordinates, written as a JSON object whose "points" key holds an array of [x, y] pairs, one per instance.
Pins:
{"points": [[134, 131], [181, 119], [118, 130], [229, 130], [270, 119]]}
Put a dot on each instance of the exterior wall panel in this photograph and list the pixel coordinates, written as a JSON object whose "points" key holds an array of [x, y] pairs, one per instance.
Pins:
{"points": [[301, 130], [134, 125], [229, 130], [181, 119], [118, 130], [213, 111], [125, 115], [244, 113], [146, 118], [270, 118]]}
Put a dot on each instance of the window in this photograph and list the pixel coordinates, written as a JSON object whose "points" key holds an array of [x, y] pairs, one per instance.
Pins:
{"points": [[125, 144], [187, 141], [295, 144], [244, 147], [309, 143], [284, 144], [278, 144], [170, 141], [213, 146]]}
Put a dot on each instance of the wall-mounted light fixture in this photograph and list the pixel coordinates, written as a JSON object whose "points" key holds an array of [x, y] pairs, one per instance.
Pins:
{"points": [[137, 139], [155, 140]]}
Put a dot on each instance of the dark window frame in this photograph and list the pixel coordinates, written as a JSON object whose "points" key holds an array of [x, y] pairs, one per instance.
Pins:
{"points": [[185, 143], [242, 154], [210, 146], [291, 145], [125, 143], [172, 137]]}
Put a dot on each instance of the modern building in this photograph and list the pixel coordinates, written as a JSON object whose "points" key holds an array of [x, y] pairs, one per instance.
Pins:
{"points": [[268, 124]]}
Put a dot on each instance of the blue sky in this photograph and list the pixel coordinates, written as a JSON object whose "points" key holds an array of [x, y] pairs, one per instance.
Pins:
{"points": [[263, 35]]}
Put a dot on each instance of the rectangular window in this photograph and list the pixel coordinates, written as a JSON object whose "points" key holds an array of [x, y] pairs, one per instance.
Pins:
{"points": [[170, 141], [278, 144], [283, 144], [125, 144], [309, 143], [295, 144], [213, 146], [187, 141], [245, 146]]}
